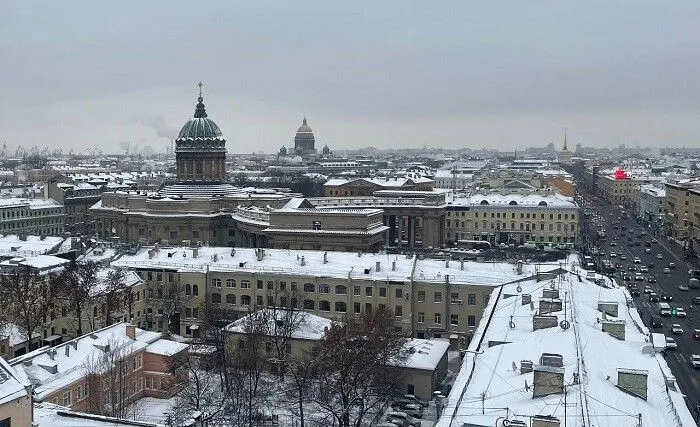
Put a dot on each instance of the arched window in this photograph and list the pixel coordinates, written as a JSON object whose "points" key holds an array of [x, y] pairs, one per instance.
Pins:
{"points": [[341, 290], [309, 304], [195, 290], [216, 298], [308, 287], [542, 203], [512, 203], [245, 299], [324, 306], [484, 202], [340, 307], [188, 289]]}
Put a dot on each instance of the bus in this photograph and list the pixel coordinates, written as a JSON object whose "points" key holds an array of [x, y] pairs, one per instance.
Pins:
{"points": [[664, 309]]}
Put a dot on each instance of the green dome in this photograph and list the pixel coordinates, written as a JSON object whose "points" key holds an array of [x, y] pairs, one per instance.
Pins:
{"points": [[200, 126]]}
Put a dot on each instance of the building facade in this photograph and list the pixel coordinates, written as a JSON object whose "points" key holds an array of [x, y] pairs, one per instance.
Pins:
{"points": [[77, 198], [304, 141], [513, 219], [41, 217], [649, 205]]}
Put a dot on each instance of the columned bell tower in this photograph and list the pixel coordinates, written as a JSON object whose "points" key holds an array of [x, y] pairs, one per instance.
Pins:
{"points": [[200, 150]]}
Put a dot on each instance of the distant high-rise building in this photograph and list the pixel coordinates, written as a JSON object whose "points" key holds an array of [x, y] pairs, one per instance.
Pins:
{"points": [[304, 142]]}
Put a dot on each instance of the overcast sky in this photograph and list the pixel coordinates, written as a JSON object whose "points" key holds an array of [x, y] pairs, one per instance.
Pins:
{"points": [[502, 74]]}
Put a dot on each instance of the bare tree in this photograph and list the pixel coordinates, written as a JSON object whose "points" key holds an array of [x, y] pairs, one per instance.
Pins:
{"points": [[352, 379], [27, 299], [114, 294], [109, 379], [76, 284], [203, 394]]}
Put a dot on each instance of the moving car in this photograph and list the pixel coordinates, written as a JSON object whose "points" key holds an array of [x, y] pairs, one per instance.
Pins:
{"points": [[653, 297], [644, 269], [659, 256], [613, 254], [637, 260], [623, 257], [680, 312], [696, 334], [666, 297], [632, 268], [696, 300], [651, 279], [613, 244], [647, 251], [656, 323], [667, 270], [683, 287], [671, 343], [639, 277], [695, 361], [671, 265], [648, 290], [676, 329]]}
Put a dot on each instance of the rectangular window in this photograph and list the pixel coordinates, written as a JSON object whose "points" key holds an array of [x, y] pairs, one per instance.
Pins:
{"points": [[324, 289], [454, 319], [356, 308], [356, 291], [216, 283], [471, 299], [438, 318], [259, 300], [67, 401], [471, 320], [421, 296], [259, 284], [398, 311], [437, 297], [454, 297], [230, 283], [245, 284], [421, 317], [368, 291], [399, 292]]}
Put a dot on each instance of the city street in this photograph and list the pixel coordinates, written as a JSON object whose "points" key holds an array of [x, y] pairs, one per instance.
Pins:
{"points": [[621, 237]]}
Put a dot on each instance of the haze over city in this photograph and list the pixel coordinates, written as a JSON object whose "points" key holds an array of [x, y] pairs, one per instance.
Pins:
{"points": [[388, 74]]}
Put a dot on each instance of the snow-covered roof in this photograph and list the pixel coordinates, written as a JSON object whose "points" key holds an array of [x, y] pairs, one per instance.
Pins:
{"points": [[305, 326], [422, 354], [166, 347], [51, 369], [279, 261], [50, 415], [45, 264], [523, 200], [590, 358], [15, 335], [13, 245], [11, 383], [475, 273], [38, 203]]}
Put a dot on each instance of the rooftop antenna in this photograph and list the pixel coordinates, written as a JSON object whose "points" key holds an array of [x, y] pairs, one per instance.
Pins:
{"points": [[200, 84]]}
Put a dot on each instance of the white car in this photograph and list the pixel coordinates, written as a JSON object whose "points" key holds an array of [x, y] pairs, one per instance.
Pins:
{"points": [[644, 269], [637, 260], [671, 343], [659, 256], [613, 255], [683, 287], [695, 361], [647, 251], [676, 329], [667, 270], [680, 312]]}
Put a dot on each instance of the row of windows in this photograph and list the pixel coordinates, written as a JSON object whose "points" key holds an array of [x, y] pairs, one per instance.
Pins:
{"points": [[29, 213], [504, 226], [454, 298], [513, 215], [307, 287], [454, 319]]}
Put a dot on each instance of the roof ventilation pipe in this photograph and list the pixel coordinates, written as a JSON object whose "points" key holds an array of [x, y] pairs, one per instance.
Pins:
{"points": [[378, 267], [325, 257], [303, 261]]}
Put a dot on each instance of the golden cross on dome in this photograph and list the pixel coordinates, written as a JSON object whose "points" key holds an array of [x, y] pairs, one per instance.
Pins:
{"points": [[200, 84]]}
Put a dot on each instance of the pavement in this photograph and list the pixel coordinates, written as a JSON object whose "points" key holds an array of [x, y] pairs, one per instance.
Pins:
{"points": [[687, 378]]}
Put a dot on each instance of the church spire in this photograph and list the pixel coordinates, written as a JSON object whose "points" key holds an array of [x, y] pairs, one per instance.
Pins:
{"points": [[199, 111], [565, 148]]}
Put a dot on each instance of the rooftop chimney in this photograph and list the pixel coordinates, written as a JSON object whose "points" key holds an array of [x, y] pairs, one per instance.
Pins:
{"points": [[67, 350], [325, 257], [378, 267], [303, 261], [461, 263], [393, 265], [131, 331]]}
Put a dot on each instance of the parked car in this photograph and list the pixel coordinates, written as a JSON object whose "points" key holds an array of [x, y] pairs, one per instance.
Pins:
{"points": [[637, 260], [643, 269], [613, 254], [613, 244], [696, 334], [683, 287], [659, 256], [647, 250], [671, 265], [671, 343], [677, 329], [413, 399], [404, 418], [411, 409], [623, 257], [696, 300]]}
